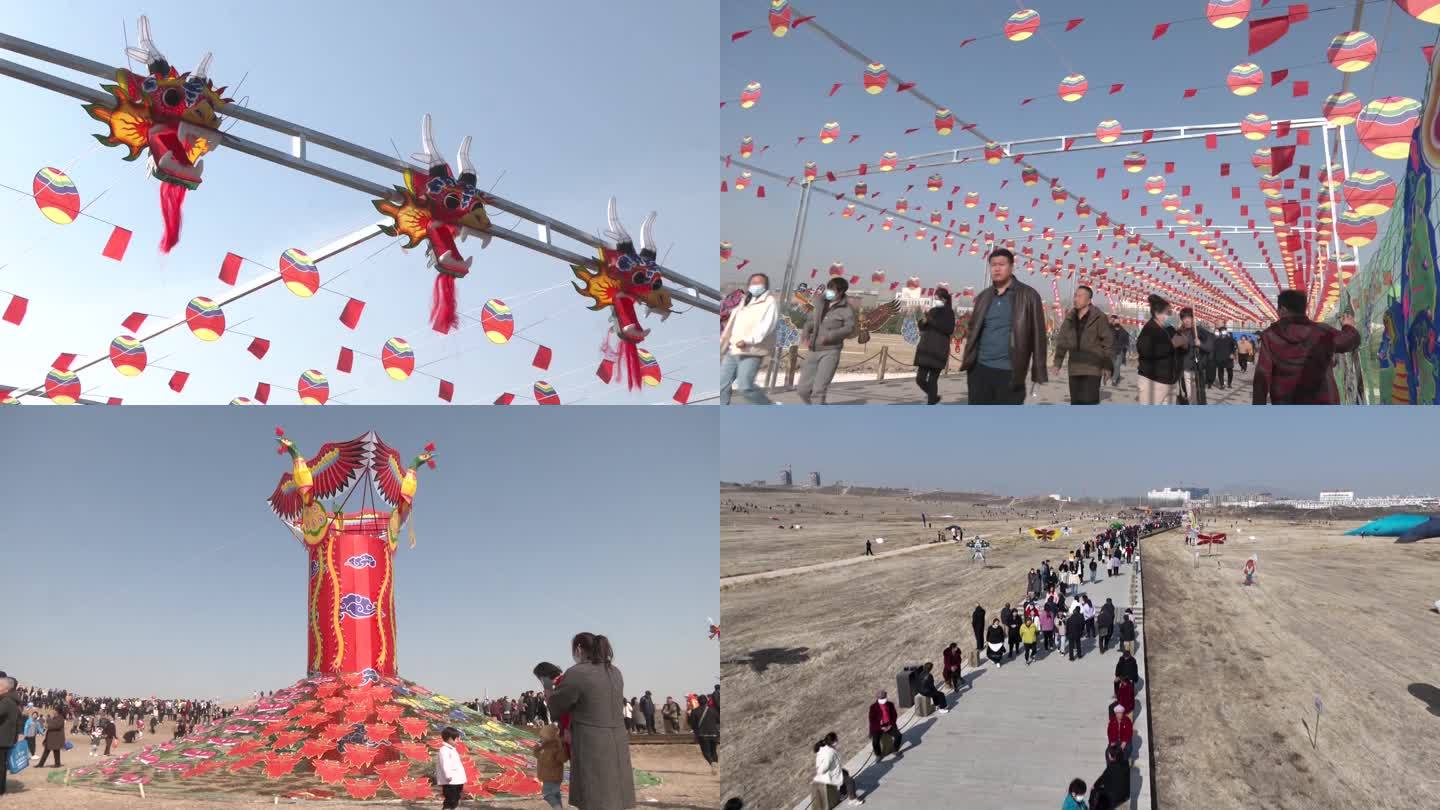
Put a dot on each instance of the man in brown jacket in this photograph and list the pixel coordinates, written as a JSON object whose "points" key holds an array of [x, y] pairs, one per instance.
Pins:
{"points": [[1006, 338], [832, 321], [1086, 336]]}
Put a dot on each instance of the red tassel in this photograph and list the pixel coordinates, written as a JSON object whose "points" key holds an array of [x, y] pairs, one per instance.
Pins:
{"points": [[444, 310], [630, 354], [172, 199]]}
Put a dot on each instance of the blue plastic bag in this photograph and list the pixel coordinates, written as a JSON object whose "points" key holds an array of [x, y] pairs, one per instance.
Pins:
{"points": [[69, 745], [19, 758]]}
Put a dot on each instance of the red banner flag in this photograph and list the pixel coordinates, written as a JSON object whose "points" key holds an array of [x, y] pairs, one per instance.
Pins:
{"points": [[542, 358], [346, 360], [1299, 89], [833, 88], [682, 394], [1073, 24], [351, 314], [117, 243], [177, 381], [230, 269], [739, 35], [1266, 32], [1190, 92], [505, 399], [1211, 141], [15, 312], [262, 393], [1159, 31], [1279, 76], [63, 362], [1115, 88], [113, 401], [132, 323], [258, 347], [1281, 158], [447, 390], [1224, 169]]}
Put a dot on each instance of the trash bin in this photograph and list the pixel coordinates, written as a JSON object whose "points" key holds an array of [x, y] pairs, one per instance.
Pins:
{"points": [[924, 706], [907, 683], [824, 797]]}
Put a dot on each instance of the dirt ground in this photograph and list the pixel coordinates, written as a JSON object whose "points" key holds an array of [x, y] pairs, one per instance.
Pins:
{"points": [[687, 783], [804, 654], [1234, 671]]}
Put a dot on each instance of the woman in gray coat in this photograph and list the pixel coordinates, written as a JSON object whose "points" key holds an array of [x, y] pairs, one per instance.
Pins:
{"points": [[591, 693]]}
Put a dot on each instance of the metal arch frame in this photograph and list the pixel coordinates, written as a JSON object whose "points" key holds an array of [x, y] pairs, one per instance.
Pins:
{"points": [[301, 135]]}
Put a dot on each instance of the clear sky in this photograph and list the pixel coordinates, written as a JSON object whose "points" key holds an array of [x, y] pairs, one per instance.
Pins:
{"points": [[985, 82], [572, 102], [144, 558], [1084, 452]]}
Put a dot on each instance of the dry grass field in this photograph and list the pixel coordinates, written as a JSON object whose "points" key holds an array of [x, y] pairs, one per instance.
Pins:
{"points": [[1234, 670], [804, 654]]}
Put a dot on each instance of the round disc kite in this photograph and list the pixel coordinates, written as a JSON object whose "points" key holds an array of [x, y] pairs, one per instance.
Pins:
{"points": [[497, 321], [398, 359], [1022, 25], [56, 196], [205, 318], [62, 387], [545, 394], [127, 355], [299, 273], [314, 388], [649, 368], [1385, 125]]}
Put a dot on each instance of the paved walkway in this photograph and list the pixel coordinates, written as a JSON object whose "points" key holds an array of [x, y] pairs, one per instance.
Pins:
{"points": [[1016, 737], [901, 390]]}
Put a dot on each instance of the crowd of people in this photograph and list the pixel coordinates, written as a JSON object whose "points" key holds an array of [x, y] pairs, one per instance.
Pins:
{"points": [[1054, 614], [1007, 339]]}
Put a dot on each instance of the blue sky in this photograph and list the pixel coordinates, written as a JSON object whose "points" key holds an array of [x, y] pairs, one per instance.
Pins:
{"points": [[985, 82], [1042, 450], [146, 560], [572, 103]]}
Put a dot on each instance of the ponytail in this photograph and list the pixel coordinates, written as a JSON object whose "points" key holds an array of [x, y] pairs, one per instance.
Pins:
{"points": [[594, 649]]}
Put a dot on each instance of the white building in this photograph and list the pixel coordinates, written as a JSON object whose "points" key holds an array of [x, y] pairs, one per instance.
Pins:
{"points": [[1168, 497], [1337, 498]]}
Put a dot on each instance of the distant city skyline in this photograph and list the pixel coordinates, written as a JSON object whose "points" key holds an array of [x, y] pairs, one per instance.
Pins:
{"points": [[1289, 452]]}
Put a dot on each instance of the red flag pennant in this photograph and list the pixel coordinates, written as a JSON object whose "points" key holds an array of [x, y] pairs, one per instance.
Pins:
{"points": [[966, 41], [505, 399], [1298, 12], [230, 268], [724, 186], [1299, 89], [1115, 88], [912, 131], [1124, 194], [447, 390], [1069, 142], [177, 381], [1291, 211], [346, 360], [741, 265], [1025, 101], [1100, 173], [799, 21], [1159, 31], [542, 358], [1224, 169], [760, 192], [113, 401], [1279, 76], [1305, 171], [1073, 24], [258, 347], [1147, 135], [117, 243], [262, 393], [1428, 52], [606, 370], [1185, 192], [1266, 32], [1281, 158], [854, 138], [1302, 137], [1234, 192], [1282, 129], [682, 394], [132, 323], [63, 362], [1190, 92], [15, 312], [739, 35], [1169, 167], [1211, 141], [351, 314], [834, 87], [903, 86]]}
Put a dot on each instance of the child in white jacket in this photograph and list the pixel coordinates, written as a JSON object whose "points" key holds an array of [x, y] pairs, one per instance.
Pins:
{"points": [[449, 768]]}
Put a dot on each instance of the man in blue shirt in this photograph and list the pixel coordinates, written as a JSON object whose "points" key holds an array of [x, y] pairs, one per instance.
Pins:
{"points": [[1006, 339]]}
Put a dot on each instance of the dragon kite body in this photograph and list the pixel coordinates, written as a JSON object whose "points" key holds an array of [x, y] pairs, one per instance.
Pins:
{"points": [[435, 206], [625, 278], [173, 116]]}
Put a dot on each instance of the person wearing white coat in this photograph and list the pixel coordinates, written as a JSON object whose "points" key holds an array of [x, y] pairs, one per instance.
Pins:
{"points": [[748, 338], [449, 769], [829, 772]]}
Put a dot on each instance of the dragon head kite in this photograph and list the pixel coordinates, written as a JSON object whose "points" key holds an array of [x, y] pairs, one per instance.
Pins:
{"points": [[174, 116], [435, 206], [625, 277]]}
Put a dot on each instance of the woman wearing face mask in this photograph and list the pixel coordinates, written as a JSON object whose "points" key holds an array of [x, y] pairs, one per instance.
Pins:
{"points": [[832, 322], [1158, 356], [592, 692], [748, 338], [932, 354]]}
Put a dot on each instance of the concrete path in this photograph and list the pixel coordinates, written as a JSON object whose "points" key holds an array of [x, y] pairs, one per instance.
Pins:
{"points": [[901, 390], [1016, 737]]}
